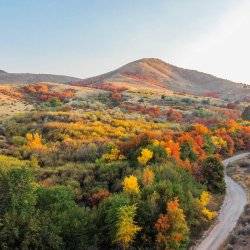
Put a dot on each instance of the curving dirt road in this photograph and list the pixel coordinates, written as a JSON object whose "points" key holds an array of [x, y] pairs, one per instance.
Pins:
{"points": [[233, 205]]}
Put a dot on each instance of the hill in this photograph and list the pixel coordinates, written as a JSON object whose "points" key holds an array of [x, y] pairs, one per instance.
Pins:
{"points": [[6, 77], [155, 73]]}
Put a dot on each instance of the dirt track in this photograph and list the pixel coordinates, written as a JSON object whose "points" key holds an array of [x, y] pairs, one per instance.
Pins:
{"points": [[233, 205]]}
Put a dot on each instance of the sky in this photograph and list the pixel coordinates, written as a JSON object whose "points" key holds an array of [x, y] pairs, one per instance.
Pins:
{"points": [[84, 38]]}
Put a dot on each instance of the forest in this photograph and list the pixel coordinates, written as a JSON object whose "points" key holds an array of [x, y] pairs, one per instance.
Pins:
{"points": [[108, 172]]}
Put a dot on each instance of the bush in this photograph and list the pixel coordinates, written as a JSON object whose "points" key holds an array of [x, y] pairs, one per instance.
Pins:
{"points": [[213, 173]]}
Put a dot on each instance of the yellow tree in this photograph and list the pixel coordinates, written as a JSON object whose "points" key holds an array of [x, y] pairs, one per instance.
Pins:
{"points": [[130, 185], [201, 129], [34, 142], [126, 227], [204, 200], [145, 156]]}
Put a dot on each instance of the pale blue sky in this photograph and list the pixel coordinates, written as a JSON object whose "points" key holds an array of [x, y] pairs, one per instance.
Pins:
{"points": [[85, 38]]}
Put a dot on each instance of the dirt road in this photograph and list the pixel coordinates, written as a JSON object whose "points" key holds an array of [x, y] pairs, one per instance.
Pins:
{"points": [[233, 205]]}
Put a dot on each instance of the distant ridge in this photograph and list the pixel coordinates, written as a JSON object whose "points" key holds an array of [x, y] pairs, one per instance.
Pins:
{"points": [[33, 78], [153, 72]]}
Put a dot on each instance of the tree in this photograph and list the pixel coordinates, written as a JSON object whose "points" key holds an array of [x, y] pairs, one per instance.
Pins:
{"points": [[174, 115], [126, 227], [172, 229], [179, 230], [204, 201], [201, 129], [34, 217], [130, 185], [19, 227], [145, 156], [246, 114], [34, 142], [187, 152], [173, 149], [162, 226], [213, 174]]}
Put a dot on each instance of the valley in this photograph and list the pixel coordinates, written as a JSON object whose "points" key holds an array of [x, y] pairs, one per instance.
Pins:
{"points": [[132, 157]]}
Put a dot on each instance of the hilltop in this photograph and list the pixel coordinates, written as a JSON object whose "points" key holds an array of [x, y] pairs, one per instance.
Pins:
{"points": [[155, 73]]}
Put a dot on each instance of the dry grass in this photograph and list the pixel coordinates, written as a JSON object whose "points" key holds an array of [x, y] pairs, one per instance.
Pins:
{"points": [[11, 102]]}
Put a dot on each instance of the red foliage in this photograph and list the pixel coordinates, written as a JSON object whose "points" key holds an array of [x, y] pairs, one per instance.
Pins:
{"points": [[152, 111], [174, 115], [97, 197], [43, 92]]}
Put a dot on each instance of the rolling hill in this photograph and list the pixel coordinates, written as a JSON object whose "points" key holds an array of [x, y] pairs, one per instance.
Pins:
{"points": [[6, 77], [155, 73]]}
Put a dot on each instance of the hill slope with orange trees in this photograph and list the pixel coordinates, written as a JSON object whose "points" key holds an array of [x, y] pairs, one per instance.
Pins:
{"points": [[155, 73]]}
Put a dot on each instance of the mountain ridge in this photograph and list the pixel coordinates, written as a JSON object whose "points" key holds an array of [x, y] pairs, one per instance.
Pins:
{"points": [[151, 73], [11, 78], [155, 72]]}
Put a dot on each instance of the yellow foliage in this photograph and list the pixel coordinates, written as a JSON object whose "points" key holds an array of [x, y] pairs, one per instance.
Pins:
{"points": [[146, 155], [204, 201], [233, 126], [205, 198], [209, 214], [34, 142], [201, 129], [156, 143], [130, 185], [218, 142], [9, 162], [148, 176], [126, 227], [114, 155]]}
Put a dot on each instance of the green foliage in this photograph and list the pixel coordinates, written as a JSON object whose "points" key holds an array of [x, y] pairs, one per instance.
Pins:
{"points": [[202, 113], [213, 172], [108, 216], [77, 198], [187, 152], [40, 218], [55, 102], [209, 147]]}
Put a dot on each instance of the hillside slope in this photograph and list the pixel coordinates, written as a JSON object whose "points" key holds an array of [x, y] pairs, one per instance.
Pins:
{"points": [[6, 77], [151, 72]]}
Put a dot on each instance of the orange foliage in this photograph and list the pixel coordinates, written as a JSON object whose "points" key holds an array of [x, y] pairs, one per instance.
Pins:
{"points": [[44, 92], [173, 148], [34, 142]]}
